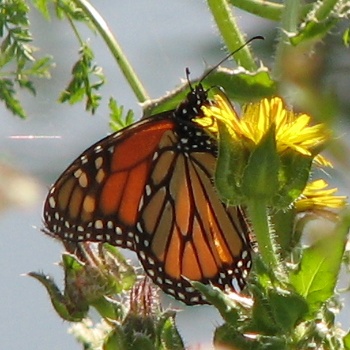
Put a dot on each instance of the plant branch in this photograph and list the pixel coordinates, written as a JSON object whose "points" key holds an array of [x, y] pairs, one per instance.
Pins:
{"points": [[115, 48], [231, 33]]}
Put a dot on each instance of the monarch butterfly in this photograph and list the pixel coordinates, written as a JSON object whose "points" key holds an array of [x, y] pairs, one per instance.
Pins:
{"points": [[149, 188]]}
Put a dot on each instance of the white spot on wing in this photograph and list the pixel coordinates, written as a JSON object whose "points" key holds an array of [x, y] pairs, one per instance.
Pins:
{"points": [[98, 162], [52, 202], [98, 224]]}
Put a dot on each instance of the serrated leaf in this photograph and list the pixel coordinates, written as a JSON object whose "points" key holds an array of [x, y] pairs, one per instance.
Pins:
{"points": [[229, 309], [27, 84], [61, 304], [287, 237], [166, 103], [86, 80], [67, 8], [293, 176], [116, 339], [239, 85], [262, 319], [227, 337], [117, 118], [243, 86], [169, 335], [287, 308], [126, 273], [313, 30], [42, 6], [7, 95], [41, 67], [319, 267]]}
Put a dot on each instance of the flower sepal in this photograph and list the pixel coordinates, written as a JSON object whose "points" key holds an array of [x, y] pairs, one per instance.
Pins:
{"points": [[293, 177], [230, 166], [260, 179]]}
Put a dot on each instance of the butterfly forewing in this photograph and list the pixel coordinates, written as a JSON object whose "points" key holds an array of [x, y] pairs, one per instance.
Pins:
{"points": [[97, 197]]}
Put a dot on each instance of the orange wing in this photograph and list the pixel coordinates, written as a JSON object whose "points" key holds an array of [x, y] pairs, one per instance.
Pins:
{"points": [[185, 232], [149, 188], [97, 197]]}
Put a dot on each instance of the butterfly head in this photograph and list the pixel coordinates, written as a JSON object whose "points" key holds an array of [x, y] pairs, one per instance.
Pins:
{"points": [[190, 108]]}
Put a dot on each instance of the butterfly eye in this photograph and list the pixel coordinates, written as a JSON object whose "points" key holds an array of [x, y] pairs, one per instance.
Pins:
{"points": [[149, 188]]}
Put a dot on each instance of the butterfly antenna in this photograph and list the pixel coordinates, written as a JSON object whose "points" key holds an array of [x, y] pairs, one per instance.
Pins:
{"points": [[188, 78], [258, 37]]}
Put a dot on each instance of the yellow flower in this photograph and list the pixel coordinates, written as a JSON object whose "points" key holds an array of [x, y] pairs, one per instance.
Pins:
{"points": [[316, 196], [293, 132], [265, 154]]}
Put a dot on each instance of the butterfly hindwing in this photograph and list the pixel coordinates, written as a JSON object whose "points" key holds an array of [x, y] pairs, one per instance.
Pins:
{"points": [[185, 232]]}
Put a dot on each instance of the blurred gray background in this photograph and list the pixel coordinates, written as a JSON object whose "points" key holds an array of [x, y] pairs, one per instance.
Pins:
{"points": [[160, 39]]}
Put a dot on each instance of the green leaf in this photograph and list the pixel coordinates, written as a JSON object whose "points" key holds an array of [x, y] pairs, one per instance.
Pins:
{"points": [[140, 329], [266, 9], [286, 235], [68, 8], [40, 68], [116, 340], [166, 103], [322, 16], [42, 6], [68, 311], [319, 267], [143, 342], [27, 84], [227, 337], [104, 278], [346, 37], [239, 85], [260, 179], [293, 176], [243, 86], [313, 30], [346, 341], [17, 55], [229, 309], [287, 308], [262, 318], [7, 95], [125, 276], [169, 336], [230, 166], [87, 78], [108, 308], [117, 118]]}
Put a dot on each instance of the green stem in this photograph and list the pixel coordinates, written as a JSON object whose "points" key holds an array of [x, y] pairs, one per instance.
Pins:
{"points": [[231, 33], [265, 9], [76, 32], [324, 9], [289, 24], [259, 218], [114, 47]]}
